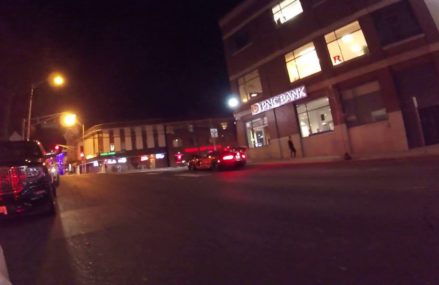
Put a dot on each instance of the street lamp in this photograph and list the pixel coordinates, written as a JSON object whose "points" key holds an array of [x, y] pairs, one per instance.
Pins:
{"points": [[233, 102], [55, 80], [69, 120]]}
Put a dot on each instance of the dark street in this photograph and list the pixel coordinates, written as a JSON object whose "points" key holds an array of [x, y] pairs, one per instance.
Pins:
{"points": [[364, 222]]}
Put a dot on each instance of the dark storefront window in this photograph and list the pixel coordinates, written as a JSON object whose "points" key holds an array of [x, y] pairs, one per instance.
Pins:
{"points": [[363, 104], [122, 139], [100, 142], [257, 132], [315, 117], [133, 139], [396, 23], [177, 143]]}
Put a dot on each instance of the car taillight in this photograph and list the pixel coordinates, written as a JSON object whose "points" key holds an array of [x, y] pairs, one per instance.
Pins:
{"points": [[17, 178], [243, 155], [228, 157]]}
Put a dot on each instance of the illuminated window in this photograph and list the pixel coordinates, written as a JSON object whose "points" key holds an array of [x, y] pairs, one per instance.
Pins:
{"points": [[286, 10], [302, 62], [224, 125], [257, 133], [346, 43], [177, 143], [363, 104], [250, 86], [315, 117]]}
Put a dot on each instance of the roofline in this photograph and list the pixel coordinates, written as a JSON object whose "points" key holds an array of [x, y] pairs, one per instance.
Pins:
{"points": [[238, 9], [123, 124]]}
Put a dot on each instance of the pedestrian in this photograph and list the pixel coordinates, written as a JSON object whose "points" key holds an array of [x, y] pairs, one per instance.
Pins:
{"points": [[292, 148]]}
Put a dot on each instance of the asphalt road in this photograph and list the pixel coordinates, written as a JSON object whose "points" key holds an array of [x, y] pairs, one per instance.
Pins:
{"points": [[335, 223]]}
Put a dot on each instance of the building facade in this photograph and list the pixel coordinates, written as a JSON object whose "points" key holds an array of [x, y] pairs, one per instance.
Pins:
{"points": [[337, 76], [121, 146]]}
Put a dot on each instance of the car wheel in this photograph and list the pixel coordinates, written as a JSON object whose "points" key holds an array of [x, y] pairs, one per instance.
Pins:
{"points": [[214, 166]]}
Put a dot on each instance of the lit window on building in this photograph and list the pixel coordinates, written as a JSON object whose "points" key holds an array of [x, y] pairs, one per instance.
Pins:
{"points": [[346, 43], [363, 104], [302, 62], [177, 143], [224, 125], [249, 86], [257, 133], [286, 10], [315, 117]]}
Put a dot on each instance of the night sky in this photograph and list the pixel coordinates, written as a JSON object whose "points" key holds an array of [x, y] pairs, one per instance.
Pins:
{"points": [[125, 60]]}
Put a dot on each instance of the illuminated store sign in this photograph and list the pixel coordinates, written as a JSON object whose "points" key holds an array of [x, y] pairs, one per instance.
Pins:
{"points": [[107, 153], [279, 100]]}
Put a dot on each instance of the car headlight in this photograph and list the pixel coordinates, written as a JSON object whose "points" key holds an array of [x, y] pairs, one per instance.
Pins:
{"points": [[53, 170], [32, 172]]}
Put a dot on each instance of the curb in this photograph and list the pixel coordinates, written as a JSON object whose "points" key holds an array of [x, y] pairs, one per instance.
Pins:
{"points": [[4, 277]]}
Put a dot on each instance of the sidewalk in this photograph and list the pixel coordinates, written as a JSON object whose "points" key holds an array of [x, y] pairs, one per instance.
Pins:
{"points": [[4, 279], [427, 151]]}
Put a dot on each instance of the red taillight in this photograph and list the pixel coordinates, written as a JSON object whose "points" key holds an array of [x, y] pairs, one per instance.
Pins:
{"points": [[17, 178], [243, 155], [228, 157]]}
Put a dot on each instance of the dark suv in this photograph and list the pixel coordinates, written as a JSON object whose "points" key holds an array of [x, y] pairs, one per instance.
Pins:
{"points": [[26, 185]]}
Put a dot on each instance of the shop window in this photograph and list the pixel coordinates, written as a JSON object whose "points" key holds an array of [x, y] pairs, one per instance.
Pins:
{"points": [[396, 23], [177, 143], [257, 133], [346, 43], [250, 86], [286, 10], [363, 104], [302, 62], [315, 117]]}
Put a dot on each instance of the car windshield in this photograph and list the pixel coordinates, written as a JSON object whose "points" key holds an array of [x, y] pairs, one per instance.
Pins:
{"points": [[19, 150]]}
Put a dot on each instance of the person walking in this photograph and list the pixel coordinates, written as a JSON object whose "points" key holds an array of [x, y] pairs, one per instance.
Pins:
{"points": [[292, 148]]}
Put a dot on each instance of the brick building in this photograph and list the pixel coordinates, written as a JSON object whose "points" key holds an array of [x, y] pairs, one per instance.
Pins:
{"points": [[338, 76], [151, 144]]}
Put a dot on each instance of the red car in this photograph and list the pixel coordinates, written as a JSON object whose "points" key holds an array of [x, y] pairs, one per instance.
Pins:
{"points": [[229, 157]]}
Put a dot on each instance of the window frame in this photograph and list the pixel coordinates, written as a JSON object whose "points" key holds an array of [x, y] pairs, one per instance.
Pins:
{"points": [[335, 38], [252, 144], [245, 81], [308, 111], [299, 55], [356, 105], [281, 7]]}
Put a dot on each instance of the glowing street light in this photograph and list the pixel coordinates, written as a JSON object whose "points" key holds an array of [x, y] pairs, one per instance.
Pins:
{"points": [[69, 120], [56, 80], [233, 102]]}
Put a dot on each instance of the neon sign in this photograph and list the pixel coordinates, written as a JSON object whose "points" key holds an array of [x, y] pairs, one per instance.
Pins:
{"points": [[279, 100]]}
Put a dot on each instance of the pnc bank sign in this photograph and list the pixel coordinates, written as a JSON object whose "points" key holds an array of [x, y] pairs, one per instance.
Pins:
{"points": [[279, 100]]}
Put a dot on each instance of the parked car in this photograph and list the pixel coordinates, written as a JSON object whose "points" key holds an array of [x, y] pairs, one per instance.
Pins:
{"points": [[229, 157], [26, 184]]}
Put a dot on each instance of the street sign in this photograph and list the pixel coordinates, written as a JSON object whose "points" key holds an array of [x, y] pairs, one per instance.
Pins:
{"points": [[214, 132]]}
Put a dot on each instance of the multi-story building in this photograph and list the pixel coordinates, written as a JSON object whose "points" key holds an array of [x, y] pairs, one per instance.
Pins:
{"points": [[337, 76], [123, 146]]}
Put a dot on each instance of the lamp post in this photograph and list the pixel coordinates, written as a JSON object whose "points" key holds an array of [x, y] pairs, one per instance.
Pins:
{"points": [[69, 120], [54, 80]]}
